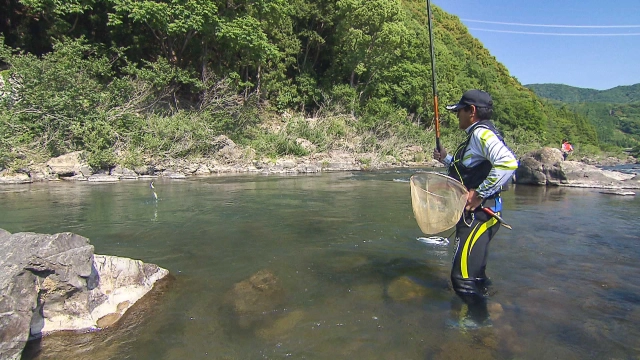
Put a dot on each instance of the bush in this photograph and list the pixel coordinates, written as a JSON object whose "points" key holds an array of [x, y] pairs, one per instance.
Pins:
{"points": [[522, 141], [70, 100], [274, 145], [382, 117], [342, 98]]}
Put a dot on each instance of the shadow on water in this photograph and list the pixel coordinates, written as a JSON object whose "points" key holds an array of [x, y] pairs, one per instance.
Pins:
{"points": [[350, 279]]}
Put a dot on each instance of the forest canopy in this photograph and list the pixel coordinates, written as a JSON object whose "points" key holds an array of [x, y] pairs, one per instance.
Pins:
{"points": [[128, 79]]}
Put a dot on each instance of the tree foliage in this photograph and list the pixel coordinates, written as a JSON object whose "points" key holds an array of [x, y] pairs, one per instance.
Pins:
{"points": [[98, 74]]}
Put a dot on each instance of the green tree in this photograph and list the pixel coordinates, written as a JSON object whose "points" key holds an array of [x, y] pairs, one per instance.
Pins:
{"points": [[177, 26]]}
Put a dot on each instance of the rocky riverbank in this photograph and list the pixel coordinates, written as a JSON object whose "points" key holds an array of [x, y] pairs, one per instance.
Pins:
{"points": [[229, 159], [547, 167], [233, 159]]}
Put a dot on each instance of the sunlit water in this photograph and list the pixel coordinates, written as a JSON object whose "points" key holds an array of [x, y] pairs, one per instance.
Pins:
{"points": [[358, 283]]}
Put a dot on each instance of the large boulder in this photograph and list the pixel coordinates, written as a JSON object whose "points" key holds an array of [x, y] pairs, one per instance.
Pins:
{"points": [[541, 167], [70, 164], [547, 167], [17, 302], [55, 282]]}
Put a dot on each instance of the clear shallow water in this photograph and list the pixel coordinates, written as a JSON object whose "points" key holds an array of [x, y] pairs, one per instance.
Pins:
{"points": [[357, 283]]}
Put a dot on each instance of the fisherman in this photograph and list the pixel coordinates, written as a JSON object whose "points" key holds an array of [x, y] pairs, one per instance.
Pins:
{"points": [[482, 163], [566, 148]]}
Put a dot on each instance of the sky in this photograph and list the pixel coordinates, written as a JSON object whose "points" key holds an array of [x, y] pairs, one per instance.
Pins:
{"points": [[585, 61]]}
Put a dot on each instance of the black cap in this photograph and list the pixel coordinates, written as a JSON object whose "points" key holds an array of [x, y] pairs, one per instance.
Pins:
{"points": [[478, 98]]}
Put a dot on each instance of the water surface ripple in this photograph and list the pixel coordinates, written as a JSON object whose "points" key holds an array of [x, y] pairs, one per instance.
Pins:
{"points": [[357, 283]]}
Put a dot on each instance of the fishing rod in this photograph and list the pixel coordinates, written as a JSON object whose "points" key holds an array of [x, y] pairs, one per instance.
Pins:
{"points": [[435, 104], [497, 217], [433, 77]]}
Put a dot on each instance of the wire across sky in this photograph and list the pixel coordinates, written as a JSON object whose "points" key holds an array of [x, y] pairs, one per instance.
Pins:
{"points": [[591, 44], [554, 34], [553, 26]]}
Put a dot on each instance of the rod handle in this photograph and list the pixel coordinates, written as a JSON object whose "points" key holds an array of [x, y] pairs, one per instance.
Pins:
{"points": [[497, 217]]}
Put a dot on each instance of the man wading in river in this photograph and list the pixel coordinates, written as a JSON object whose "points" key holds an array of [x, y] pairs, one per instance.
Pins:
{"points": [[482, 163]]}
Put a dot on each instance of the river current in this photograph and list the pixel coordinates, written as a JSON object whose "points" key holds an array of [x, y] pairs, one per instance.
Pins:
{"points": [[358, 284]]}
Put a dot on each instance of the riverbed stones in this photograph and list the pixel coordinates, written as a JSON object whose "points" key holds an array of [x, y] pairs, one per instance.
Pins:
{"points": [[15, 179], [41, 172], [124, 173], [103, 178], [144, 170], [202, 170], [173, 175]]}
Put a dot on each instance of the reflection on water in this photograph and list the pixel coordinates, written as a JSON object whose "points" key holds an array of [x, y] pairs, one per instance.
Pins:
{"points": [[356, 283]]}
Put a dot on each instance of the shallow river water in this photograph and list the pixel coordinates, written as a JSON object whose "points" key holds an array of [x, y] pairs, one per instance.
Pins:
{"points": [[357, 284]]}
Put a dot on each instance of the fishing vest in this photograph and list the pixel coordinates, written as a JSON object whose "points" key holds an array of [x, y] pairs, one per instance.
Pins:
{"points": [[472, 177]]}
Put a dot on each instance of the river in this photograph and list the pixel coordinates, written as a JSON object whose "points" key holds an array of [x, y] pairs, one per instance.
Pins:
{"points": [[357, 282]]}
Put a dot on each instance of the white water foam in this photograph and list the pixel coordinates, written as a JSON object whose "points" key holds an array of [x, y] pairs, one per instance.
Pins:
{"points": [[434, 240]]}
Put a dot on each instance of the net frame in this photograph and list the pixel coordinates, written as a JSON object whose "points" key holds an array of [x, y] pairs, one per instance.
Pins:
{"points": [[437, 200]]}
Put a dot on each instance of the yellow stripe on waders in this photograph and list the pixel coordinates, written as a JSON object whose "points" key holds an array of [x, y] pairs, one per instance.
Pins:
{"points": [[468, 245]]}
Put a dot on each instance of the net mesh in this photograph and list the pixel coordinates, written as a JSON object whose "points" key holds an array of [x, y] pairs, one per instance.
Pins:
{"points": [[437, 200]]}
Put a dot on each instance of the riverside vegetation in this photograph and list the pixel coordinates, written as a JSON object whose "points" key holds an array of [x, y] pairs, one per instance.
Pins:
{"points": [[133, 82]]}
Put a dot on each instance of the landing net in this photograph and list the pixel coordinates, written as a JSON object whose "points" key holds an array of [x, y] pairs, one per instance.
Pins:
{"points": [[437, 200]]}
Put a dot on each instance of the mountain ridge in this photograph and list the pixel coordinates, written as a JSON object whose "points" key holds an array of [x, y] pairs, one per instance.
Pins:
{"points": [[615, 113], [623, 94]]}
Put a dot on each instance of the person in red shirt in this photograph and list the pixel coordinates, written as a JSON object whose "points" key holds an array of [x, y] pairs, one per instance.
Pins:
{"points": [[566, 148]]}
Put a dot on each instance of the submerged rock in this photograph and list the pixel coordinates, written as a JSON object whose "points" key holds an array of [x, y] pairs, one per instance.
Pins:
{"points": [[55, 282], [262, 292], [403, 289], [254, 299], [283, 326]]}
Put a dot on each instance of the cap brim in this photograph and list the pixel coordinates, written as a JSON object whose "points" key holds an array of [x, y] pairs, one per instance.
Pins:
{"points": [[455, 107]]}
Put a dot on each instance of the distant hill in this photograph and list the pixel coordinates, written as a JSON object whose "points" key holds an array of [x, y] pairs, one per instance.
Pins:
{"points": [[615, 113], [571, 94]]}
